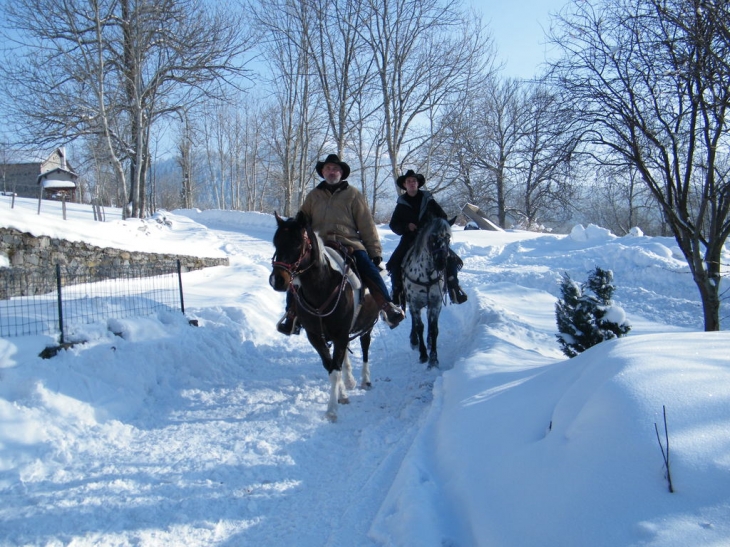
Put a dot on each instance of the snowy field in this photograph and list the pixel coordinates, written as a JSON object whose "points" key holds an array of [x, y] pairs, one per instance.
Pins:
{"points": [[215, 435]]}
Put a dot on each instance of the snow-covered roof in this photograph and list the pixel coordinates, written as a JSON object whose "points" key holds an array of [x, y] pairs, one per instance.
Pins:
{"points": [[58, 183], [58, 178]]}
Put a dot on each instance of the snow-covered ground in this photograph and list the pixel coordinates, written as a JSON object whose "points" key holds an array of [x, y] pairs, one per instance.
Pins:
{"points": [[176, 435]]}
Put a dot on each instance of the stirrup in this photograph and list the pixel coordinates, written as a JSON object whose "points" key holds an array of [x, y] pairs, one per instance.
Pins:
{"points": [[457, 295], [287, 328]]}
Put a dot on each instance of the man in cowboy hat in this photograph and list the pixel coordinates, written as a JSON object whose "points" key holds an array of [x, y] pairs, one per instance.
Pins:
{"points": [[412, 210], [339, 212]]}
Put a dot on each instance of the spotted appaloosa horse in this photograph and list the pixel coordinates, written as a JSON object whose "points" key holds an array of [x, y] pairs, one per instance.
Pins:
{"points": [[423, 281], [327, 305]]}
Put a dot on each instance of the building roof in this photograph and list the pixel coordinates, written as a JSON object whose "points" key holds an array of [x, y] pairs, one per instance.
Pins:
{"points": [[58, 178]]}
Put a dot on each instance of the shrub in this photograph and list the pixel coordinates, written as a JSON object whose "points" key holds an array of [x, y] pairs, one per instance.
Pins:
{"points": [[585, 313]]}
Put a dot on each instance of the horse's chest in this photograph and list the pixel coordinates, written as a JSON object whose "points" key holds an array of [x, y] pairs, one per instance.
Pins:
{"points": [[420, 268]]}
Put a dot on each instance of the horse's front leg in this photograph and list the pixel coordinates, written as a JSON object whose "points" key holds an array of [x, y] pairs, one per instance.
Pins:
{"points": [[417, 335], [365, 346], [339, 357], [333, 368], [347, 376], [433, 333]]}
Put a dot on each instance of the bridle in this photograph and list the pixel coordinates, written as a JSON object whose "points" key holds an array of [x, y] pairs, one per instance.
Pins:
{"points": [[294, 269]]}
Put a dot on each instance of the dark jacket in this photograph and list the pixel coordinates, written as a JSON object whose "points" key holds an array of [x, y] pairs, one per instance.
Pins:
{"points": [[417, 210]]}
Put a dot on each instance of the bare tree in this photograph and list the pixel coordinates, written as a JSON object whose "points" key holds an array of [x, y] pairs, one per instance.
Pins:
{"points": [[548, 138], [185, 159], [617, 199], [114, 68], [426, 54], [487, 129], [341, 61], [294, 126], [651, 81]]}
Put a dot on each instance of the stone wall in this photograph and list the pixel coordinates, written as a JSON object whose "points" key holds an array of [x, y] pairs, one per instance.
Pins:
{"points": [[26, 252]]}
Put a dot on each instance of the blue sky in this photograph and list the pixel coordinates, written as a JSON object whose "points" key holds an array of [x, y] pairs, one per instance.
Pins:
{"points": [[518, 28]]}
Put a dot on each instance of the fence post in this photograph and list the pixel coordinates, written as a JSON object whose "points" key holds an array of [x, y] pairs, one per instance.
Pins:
{"points": [[60, 300], [179, 280]]}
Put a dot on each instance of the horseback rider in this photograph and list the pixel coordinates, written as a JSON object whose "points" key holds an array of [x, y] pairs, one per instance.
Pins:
{"points": [[412, 210], [340, 213]]}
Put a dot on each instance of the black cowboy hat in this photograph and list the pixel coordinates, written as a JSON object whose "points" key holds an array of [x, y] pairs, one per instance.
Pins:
{"points": [[333, 158], [401, 181]]}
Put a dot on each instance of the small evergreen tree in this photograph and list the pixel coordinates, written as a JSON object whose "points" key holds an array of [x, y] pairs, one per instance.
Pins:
{"points": [[586, 314]]}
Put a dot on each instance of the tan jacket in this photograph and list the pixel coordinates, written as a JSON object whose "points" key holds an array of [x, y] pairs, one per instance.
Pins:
{"points": [[343, 216]]}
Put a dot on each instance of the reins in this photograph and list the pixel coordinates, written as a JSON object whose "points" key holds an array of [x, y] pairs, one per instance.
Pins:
{"points": [[332, 301]]}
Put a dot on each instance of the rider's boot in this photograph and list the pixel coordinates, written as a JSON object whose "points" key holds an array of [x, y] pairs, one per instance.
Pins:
{"points": [[456, 293], [289, 324], [391, 313]]}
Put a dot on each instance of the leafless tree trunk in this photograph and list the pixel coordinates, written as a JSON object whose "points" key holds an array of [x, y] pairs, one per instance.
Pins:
{"points": [[185, 161], [652, 82]]}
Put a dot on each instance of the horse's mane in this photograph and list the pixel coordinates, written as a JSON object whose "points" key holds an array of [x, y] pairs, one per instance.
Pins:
{"points": [[431, 226], [318, 251], [317, 245]]}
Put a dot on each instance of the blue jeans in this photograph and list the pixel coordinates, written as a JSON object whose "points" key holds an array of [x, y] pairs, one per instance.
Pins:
{"points": [[369, 270]]}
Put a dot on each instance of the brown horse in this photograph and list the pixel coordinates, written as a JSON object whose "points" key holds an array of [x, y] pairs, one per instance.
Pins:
{"points": [[329, 308]]}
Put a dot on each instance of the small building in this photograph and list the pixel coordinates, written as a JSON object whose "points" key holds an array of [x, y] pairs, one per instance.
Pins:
{"points": [[28, 172], [58, 184]]}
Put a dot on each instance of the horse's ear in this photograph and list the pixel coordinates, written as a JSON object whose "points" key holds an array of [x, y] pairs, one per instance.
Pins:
{"points": [[451, 222], [303, 219], [279, 220]]}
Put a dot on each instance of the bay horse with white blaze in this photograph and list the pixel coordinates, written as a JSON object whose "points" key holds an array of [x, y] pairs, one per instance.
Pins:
{"points": [[327, 305], [423, 281]]}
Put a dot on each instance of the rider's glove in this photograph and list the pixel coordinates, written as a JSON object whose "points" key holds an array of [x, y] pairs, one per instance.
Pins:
{"points": [[377, 260]]}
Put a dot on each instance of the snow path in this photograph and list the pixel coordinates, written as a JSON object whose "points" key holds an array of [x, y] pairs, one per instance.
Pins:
{"points": [[220, 438]]}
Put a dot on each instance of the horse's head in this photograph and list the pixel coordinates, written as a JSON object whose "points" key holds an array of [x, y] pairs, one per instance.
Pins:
{"points": [[293, 247], [437, 238]]}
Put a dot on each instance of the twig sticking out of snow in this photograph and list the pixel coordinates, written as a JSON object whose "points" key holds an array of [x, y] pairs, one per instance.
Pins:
{"points": [[665, 454]]}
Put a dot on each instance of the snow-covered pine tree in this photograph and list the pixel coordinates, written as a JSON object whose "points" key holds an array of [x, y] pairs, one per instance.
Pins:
{"points": [[588, 318]]}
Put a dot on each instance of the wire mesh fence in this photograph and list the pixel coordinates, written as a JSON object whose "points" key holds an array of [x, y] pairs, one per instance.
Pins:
{"points": [[57, 300]]}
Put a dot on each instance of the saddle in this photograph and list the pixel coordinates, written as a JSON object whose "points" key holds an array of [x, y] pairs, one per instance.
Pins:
{"points": [[340, 258]]}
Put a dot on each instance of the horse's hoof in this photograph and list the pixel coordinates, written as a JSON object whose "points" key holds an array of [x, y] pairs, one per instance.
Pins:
{"points": [[344, 400], [432, 365], [423, 358], [331, 417], [366, 385]]}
